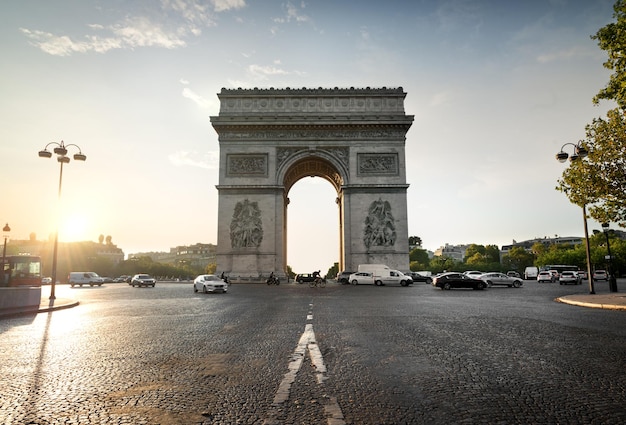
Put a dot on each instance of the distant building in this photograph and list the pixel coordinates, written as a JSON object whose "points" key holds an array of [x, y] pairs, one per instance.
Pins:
{"points": [[527, 245], [456, 252], [197, 255]]}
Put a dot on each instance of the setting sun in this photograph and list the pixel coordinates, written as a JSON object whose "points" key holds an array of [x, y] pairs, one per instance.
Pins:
{"points": [[74, 228]]}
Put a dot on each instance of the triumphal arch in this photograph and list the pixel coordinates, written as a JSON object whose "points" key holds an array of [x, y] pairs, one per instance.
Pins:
{"points": [[271, 138]]}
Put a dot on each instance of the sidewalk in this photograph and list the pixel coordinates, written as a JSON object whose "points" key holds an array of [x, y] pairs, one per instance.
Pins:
{"points": [[58, 304], [612, 301]]}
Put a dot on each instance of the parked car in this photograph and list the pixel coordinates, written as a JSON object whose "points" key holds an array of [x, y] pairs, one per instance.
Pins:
{"points": [[473, 273], [513, 273], [362, 278], [583, 274], [418, 277], [600, 275], [344, 277], [209, 283], [495, 278], [142, 280], [545, 276], [568, 277], [457, 280], [305, 277]]}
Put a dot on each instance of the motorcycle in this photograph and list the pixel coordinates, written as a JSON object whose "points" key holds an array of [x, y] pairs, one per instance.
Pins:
{"points": [[273, 280]]}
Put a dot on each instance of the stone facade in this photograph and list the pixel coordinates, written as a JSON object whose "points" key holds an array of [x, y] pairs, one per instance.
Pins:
{"points": [[271, 138]]}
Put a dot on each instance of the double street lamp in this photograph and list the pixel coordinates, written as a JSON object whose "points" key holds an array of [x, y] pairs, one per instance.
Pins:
{"points": [[61, 151], [579, 153], [612, 279]]}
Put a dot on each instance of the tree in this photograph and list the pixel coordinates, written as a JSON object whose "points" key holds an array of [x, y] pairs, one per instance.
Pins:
{"points": [[419, 255], [517, 259], [612, 39], [415, 241], [599, 181]]}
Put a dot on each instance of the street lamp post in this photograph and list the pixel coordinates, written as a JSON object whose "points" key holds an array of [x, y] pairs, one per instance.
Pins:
{"points": [[579, 153], [612, 279], [6, 229], [61, 151]]}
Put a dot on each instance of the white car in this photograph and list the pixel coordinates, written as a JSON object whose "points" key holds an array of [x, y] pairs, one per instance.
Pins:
{"points": [[46, 280], [545, 276], [209, 283], [142, 280], [361, 278], [568, 276]]}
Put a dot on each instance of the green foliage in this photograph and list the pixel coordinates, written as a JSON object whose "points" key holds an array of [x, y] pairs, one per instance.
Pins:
{"points": [[415, 241], [517, 259], [418, 259], [599, 181], [612, 39], [332, 272], [439, 263]]}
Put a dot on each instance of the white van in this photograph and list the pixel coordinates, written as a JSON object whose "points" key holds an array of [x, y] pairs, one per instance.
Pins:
{"points": [[530, 273], [84, 278], [383, 275]]}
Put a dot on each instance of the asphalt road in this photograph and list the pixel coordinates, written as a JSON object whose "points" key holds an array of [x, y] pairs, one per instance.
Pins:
{"points": [[291, 354]]}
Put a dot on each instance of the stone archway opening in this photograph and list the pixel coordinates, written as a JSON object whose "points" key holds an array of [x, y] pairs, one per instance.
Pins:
{"points": [[312, 215]]}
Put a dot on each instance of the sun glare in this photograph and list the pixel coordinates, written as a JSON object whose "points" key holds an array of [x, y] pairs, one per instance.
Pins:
{"points": [[74, 228]]}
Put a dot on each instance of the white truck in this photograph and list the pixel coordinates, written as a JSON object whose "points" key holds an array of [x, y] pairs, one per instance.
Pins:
{"points": [[383, 275]]}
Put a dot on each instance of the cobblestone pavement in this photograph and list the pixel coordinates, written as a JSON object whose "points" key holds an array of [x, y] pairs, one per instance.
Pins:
{"points": [[290, 354]]}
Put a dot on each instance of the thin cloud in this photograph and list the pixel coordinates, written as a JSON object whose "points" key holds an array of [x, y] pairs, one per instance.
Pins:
{"points": [[197, 99], [190, 16], [262, 72], [208, 160]]}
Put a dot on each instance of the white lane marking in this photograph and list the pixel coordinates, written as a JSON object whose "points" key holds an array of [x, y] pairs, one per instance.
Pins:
{"points": [[307, 342]]}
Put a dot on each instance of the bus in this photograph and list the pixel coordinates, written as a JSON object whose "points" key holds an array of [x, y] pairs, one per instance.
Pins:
{"points": [[559, 268], [21, 270]]}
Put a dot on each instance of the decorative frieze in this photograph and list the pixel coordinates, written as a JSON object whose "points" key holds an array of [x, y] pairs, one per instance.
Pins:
{"points": [[308, 101], [246, 165], [314, 134], [379, 164]]}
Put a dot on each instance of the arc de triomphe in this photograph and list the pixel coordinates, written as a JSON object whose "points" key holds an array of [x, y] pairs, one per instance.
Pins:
{"points": [[271, 138]]}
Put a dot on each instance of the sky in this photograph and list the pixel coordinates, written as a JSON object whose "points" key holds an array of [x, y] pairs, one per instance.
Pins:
{"points": [[496, 88]]}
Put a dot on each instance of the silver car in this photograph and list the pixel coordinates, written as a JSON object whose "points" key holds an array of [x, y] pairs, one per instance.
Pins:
{"points": [[143, 280], [209, 283], [361, 278], [495, 278]]}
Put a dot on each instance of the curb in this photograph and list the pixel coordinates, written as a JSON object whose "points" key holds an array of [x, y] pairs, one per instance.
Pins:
{"points": [[591, 305]]}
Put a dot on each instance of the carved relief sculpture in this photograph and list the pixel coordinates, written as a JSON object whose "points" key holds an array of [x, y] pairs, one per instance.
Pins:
{"points": [[247, 165], [380, 164], [380, 228], [246, 229]]}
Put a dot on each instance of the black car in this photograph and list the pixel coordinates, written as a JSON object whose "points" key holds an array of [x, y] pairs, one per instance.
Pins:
{"points": [[343, 276], [457, 280], [420, 278], [305, 278]]}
